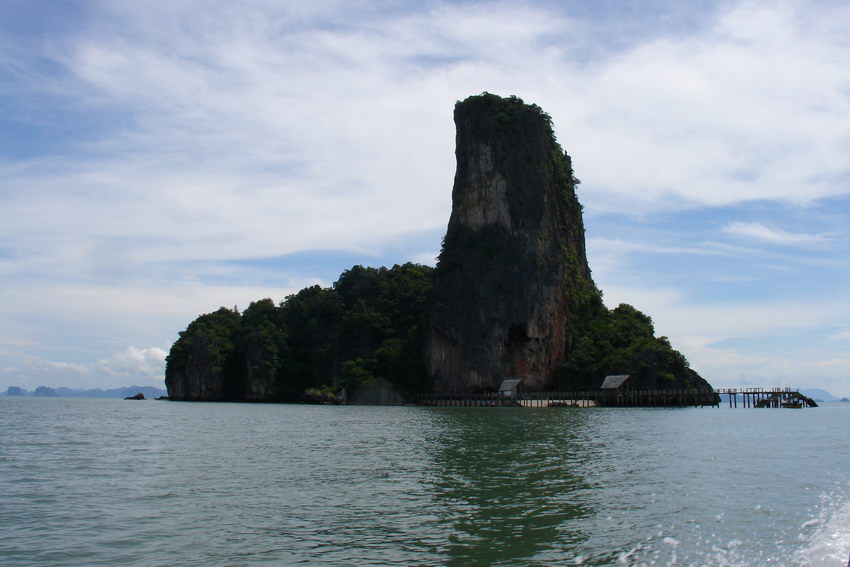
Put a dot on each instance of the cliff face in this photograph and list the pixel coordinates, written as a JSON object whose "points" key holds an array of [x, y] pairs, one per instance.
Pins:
{"points": [[513, 274], [511, 297], [227, 356], [196, 367]]}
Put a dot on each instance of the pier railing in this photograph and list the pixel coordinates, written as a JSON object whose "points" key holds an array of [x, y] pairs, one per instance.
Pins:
{"points": [[766, 397], [608, 398], [745, 397]]}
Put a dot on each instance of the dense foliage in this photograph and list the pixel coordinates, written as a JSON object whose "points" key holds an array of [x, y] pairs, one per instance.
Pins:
{"points": [[371, 326], [623, 341]]}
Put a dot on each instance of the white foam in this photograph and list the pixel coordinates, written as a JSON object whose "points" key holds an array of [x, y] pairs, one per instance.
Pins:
{"points": [[826, 539], [823, 541]]}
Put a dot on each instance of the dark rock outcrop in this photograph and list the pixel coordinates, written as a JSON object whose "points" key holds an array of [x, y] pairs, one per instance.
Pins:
{"points": [[512, 275], [202, 355], [511, 298]]}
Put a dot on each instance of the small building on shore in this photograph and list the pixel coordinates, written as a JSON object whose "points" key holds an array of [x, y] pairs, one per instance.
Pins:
{"points": [[509, 388], [619, 382]]}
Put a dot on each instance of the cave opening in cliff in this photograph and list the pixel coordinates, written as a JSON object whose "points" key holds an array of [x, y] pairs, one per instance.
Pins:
{"points": [[518, 333]]}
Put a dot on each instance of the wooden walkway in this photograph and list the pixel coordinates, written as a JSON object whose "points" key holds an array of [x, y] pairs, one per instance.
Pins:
{"points": [[745, 397], [607, 398], [767, 398]]}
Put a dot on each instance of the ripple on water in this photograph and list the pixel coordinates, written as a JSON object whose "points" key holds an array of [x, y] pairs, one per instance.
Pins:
{"points": [[102, 482]]}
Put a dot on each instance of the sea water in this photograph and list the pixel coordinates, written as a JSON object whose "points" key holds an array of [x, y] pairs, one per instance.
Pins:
{"points": [[113, 482]]}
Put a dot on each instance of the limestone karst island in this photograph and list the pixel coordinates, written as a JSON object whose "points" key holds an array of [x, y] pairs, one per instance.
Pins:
{"points": [[510, 312]]}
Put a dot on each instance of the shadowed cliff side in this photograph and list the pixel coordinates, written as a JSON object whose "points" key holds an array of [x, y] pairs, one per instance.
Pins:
{"points": [[512, 276]]}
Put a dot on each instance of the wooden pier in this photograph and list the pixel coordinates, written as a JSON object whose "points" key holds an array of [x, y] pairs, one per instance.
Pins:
{"points": [[767, 398], [744, 397], [495, 399], [594, 398]]}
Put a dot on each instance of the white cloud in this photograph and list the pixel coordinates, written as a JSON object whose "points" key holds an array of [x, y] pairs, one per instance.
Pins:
{"points": [[134, 366], [753, 107], [245, 135], [677, 314], [133, 362], [214, 131], [426, 259], [760, 232], [842, 363]]}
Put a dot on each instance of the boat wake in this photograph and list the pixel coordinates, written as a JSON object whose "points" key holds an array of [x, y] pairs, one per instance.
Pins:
{"points": [[821, 541], [826, 538]]}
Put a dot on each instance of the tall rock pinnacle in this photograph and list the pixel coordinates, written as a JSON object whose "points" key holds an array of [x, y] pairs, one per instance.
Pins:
{"points": [[513, 273]]}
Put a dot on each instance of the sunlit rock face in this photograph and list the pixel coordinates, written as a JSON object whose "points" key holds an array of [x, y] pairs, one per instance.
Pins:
{"points": [[513, 271]]}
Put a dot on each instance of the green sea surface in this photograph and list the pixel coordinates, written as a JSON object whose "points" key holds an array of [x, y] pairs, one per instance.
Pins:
{"points": [[154, 483]]}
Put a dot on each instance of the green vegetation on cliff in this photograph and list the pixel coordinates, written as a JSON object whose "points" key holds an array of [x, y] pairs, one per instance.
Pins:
{"points": [[623, 341], [512, 275], [370, 325], [512, 297]]}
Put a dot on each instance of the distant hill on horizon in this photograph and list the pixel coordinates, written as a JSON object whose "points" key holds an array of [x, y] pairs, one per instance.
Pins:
{"points": [[820, 395], [123, 392]]}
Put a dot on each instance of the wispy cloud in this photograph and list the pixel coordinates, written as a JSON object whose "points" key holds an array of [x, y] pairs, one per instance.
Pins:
{"points": [[841, 336], [760, 232], [148, 146], [751, 107]]}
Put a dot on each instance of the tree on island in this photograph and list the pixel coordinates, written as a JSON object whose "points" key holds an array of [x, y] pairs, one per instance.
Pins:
{"points": [[370, 326]]}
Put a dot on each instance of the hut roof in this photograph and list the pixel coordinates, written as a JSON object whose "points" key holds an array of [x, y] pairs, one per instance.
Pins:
{"points": [[615, 381], [509, 384]]}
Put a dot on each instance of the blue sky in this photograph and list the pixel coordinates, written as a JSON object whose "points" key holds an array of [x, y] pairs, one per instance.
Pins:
{"points": [[161, 159]]}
